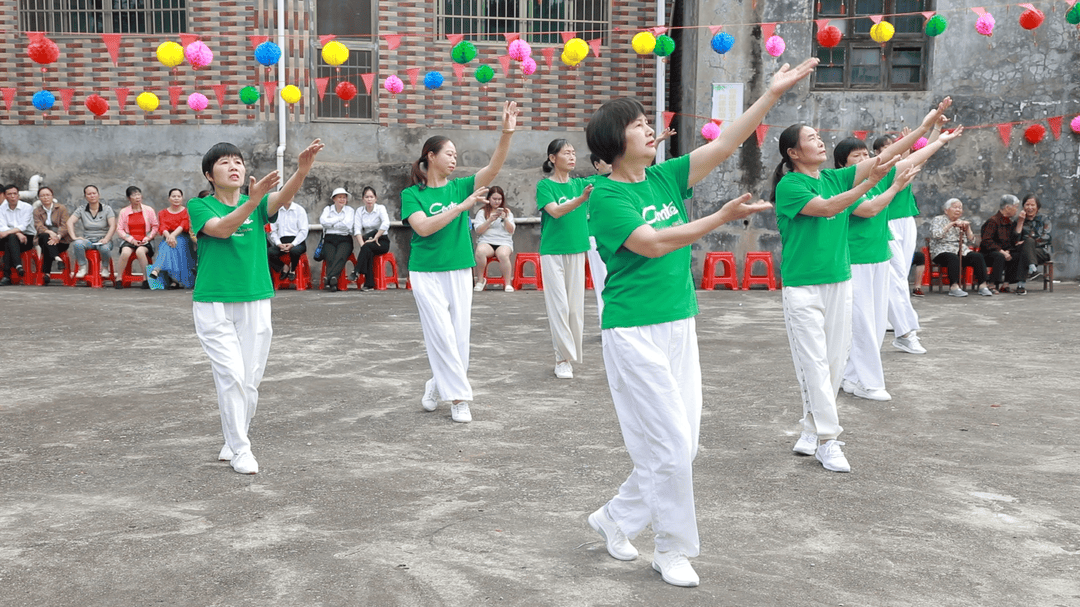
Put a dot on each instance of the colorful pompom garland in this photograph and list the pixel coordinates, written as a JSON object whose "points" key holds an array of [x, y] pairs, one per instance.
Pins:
{"points": [[463, 52], [433, 80], [985, 24], [775, 46], [722, 42], [829, 36], [268, 53], [936, 25]]}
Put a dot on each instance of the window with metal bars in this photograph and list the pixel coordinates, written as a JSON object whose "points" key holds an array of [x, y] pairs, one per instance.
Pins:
{"points": [[103, 16], [351, 23], [860, 63], [538, 21]]}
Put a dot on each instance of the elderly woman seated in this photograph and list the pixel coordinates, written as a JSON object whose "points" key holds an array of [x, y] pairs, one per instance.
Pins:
{"points": [[1033, 242], [949, 238]]}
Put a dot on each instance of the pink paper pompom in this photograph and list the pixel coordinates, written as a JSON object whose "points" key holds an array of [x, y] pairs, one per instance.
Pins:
{"points": [[197, 101], [920, 144], [775, 46], [528, 66], [1075, 124], [519, 50], [985, 24], [394, 85], [198, 54], [710, 131]]}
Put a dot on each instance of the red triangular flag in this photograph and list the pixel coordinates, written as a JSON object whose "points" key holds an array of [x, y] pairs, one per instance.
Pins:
{"points": [[594, 44], [928, 14], [505, 62], [186, 39], [459, 72], [112, 42], [1028, 6], [326, 38], [320, 85], [715, 29], [1055, 126], [821, 23], [511, 36], [980, 11], [667, 119], [568, 36], [121, 97], [368, 79], [1005, 130], [861, 134], [549, 54], [66, 95], [35, 36], [270, 87], [257, 40], [414, 74], [761, 131], [392, 41], [174, 96], [876, 18], [717, 121], [658, 31], [767, 30], [455, 39], [219, 92], [9, 97]]}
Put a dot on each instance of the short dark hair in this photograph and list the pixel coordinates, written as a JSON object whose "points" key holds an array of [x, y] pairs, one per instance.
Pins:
{"points": [[96, 189], [132, 189], [364, 191], [845, 148], [217, 152], [883, 141], [606, 131], [45, 187], [11, 187], [176, 190], [1027, 197]]}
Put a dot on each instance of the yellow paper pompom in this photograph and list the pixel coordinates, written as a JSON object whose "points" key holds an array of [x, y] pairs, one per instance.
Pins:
{"points": [[643, 43], [335, 53], [882, 32], [568, 60], [170, 54], [290, 94], [576, 49], [148, 102]]}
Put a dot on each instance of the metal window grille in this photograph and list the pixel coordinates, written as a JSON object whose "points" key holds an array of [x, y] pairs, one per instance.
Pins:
{"points": [[103, 16], [859, 63], [362, 106], [539, 21]]}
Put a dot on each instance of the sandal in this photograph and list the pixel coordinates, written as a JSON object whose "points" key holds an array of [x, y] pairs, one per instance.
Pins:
{"points": [[480, 284]]}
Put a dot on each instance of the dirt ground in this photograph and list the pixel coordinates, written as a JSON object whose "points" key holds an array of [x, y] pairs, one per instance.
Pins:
{"points": [[963, 490]]}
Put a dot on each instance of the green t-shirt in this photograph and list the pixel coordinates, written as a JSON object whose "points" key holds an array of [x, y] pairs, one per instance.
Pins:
{"points": [[903, 205], [815, 249], [235, 268], [568, 234], [451, 247], [641, 291], [868, 237]]}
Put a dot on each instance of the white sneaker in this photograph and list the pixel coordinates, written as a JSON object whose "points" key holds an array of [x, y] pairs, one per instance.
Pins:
{"points": [[81, 273], [430, 400], [479, 286], [831, 457], [618, 545], [910, 344], [985, 292], [957, 292], [848, 386], [675, 568], [226, 454], [563, 370], [105, 271], [508, 289], [807, 443], [459, 412], [872, 393], [245, 463]]}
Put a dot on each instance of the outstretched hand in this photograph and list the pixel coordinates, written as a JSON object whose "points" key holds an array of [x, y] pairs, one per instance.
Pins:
{"points": [[787, 77], [510, 115], [931, 118], [904, 178], [307, 157], [262, 187], [478, 195], [881, 169], [741, 207], [949, 135]]}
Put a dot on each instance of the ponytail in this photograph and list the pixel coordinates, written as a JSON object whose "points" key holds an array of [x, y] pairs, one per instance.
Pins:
{"points": [[788, 139], [418, 173]]}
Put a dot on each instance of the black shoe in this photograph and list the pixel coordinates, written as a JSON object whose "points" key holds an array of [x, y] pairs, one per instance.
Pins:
{"points": [[45, 280], [352, 277], [1035, 275], [145, 284], [292, 276], [366, 288], [118, 284], [1021, 291], [5, 281], [19, 270]]}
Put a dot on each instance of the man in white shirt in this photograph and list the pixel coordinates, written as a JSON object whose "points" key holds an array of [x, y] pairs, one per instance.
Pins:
{"points": [[16, 233], [287, 235]]}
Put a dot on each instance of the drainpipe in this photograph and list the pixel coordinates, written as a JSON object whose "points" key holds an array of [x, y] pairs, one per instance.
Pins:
{"points": [[660, 81], [282, 116]]}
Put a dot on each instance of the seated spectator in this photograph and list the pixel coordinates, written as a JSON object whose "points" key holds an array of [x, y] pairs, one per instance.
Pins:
{"points": [[370, 226], [176, 260], [16, 233], [495, 226], [137, 226], [999, 240], [50, 222], [1032, 242], [949, 236], [337, 222], [919, 261], [98, 225], [288, 235]]}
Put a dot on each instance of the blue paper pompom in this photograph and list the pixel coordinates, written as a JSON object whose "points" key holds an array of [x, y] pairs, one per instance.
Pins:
{"points": [[722, 42], [268, 53], [433, 80], [44, 100]]}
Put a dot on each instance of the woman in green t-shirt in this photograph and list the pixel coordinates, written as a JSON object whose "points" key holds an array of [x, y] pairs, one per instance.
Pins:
{"points": [[812, 210], [441, 260], [231, 300], [643, 233], [564, 238]]}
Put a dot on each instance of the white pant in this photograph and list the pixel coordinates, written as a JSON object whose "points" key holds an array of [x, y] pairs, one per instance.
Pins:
{"points": [[564, 295], [869, 310], [902, 315], [598, 270], [818, 320], [655, 380], [444, 300], [236, 337]]}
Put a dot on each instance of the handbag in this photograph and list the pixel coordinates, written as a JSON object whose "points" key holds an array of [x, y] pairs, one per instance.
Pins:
{"points": [[318, 256]]}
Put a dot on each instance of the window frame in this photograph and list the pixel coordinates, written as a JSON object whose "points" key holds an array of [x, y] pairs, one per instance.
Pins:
{"points": [[525, 23], [359, 43], [46, 11]]}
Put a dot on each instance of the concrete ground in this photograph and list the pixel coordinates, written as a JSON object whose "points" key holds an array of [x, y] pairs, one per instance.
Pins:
{"points": [[963, 492]]}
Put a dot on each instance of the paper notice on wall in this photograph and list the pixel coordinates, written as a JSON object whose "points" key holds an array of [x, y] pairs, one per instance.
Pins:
{"points": [[727, 101]]}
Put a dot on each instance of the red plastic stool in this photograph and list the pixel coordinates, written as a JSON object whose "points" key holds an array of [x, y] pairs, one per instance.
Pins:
{"points": [[935, 271], [303, 275], [342, 283], [520, 279], [378, 265], [493, 280], [127, 277], [588, 274], [730, 278], [29, 263], [749, 278], [93, 276], [66, 276]]}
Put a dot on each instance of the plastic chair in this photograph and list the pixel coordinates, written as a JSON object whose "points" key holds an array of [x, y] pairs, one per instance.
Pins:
{"points": [[941, 274], [127, 277], [493, 280], [66, 276], [520, 279], [378, 267], [749, 278], [93, 278], [303, 275], [30, 272], [343, 283], [730, 278], [588, 275]]}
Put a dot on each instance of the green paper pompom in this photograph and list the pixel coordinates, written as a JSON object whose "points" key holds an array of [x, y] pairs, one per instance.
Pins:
{"points": [[1073, 16], [936, 25], [249, 95], [484, 74], [463, 52], [664, 46]]}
